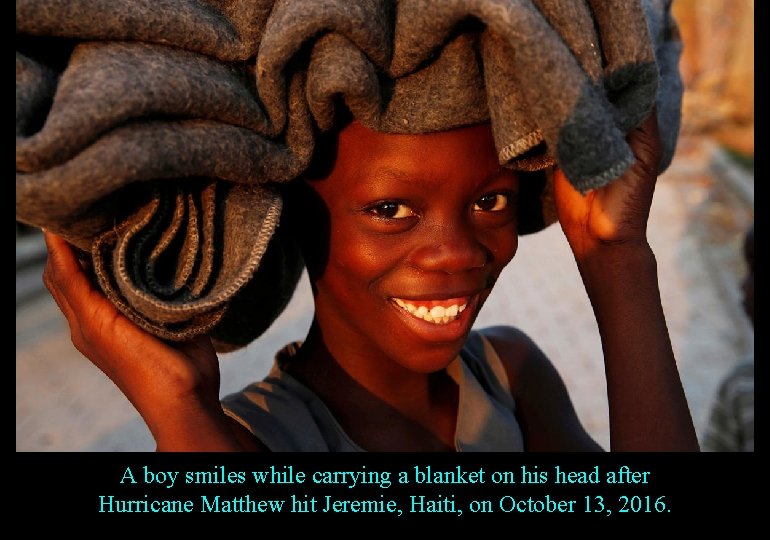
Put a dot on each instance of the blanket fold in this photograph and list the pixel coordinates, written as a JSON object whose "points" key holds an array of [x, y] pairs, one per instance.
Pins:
{"points": [[154, 134]]}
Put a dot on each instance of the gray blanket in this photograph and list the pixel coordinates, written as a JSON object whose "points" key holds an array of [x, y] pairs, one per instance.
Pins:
{"points": [[151, 133]]}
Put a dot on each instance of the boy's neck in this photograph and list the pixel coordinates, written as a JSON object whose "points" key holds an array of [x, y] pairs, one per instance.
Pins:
{"points": [[408, 412]]}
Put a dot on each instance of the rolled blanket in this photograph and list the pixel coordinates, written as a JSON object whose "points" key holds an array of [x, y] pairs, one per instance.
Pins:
{"points": [[152, 134]]}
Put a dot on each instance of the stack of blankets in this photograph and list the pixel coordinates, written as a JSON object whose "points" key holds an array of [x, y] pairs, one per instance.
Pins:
{"points": [[154, 135]]}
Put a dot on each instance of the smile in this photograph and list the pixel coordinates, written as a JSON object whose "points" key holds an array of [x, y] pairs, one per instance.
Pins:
{"points": [[433, 311]]}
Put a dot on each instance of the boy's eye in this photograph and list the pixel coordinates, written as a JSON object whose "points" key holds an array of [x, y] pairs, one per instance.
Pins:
{"points": [[392, 210], [494, 202]]}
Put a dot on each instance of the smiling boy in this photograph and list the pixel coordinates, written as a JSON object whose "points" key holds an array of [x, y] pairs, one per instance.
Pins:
{"points": [[421, 220], [171, 146]]}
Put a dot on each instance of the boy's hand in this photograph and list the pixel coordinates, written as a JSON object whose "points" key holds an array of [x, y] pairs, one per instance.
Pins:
{"points": [[616, 214], [174, 387]]}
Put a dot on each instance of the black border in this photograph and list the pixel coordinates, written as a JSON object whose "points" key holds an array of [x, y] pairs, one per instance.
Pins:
{"points": [[696, 488]]}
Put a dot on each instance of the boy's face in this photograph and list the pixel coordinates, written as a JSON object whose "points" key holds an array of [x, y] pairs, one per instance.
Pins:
{"points": [[404, 240]]}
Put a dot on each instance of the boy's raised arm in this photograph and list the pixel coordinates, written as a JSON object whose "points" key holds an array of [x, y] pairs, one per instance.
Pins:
{"points": [[174, 388], [607, 231]]}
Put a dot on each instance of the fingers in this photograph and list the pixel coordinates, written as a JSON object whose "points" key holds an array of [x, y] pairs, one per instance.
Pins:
{"points": [[65, 275], [97, 329], [616, 213], [646, 146], [86, 309], [62, 262], [60, 269]]}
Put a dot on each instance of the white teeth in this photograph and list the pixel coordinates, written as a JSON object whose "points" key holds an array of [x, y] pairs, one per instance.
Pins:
{"points": [[436, 314]]}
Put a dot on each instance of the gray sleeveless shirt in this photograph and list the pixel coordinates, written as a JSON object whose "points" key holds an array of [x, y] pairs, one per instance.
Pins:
{"points": [[288, 417]]}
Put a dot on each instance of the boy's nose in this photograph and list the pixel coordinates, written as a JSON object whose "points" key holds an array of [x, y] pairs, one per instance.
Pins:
{"points": [[450, 250]]}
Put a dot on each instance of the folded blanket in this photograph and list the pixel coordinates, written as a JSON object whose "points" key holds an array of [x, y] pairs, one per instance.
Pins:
{"points": [[152, 133]]}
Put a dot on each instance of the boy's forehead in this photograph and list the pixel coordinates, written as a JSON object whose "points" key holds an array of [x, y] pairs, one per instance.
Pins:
{"points": [[404, 157], [381, 166]]}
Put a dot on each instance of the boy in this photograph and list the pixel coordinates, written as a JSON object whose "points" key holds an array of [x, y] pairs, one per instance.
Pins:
{"points": [[165, 148], [408, 235]]}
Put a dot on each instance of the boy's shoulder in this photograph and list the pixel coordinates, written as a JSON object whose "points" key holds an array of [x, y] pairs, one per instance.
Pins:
{"points": [[544, 409], [518, 353], [511, 343]]}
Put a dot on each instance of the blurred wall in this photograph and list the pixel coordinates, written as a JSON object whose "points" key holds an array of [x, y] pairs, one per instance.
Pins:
{"points": [[718, 69]]}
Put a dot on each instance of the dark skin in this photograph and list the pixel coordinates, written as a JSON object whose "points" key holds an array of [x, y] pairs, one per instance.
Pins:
{"points": [[427, 221]]}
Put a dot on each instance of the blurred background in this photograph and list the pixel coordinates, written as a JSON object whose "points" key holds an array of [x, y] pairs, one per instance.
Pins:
{"points": [[703, 205]]}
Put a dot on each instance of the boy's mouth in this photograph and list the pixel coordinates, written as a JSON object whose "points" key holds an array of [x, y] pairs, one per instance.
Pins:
{"points": [[435, 311]]}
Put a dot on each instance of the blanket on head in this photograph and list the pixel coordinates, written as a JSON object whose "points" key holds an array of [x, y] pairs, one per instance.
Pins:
{"points": [[151, 133]]}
